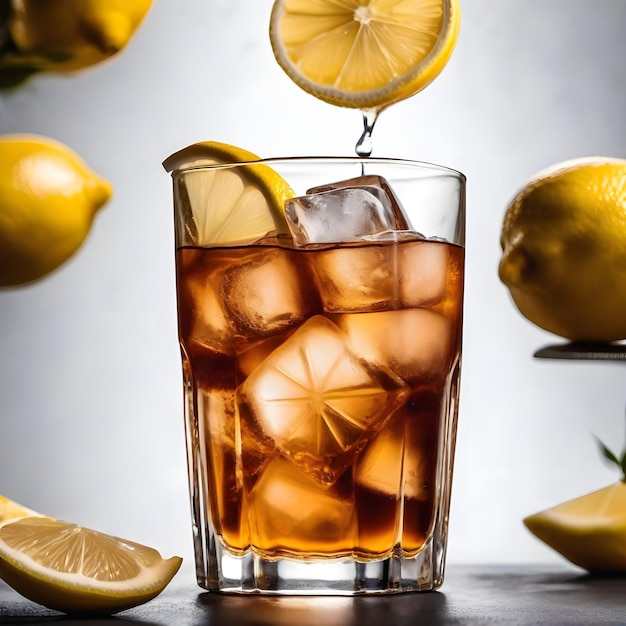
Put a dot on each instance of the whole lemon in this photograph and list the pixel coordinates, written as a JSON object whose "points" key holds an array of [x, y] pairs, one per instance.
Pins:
{"points": [[62, 35], [48, 198], [564, 249]]}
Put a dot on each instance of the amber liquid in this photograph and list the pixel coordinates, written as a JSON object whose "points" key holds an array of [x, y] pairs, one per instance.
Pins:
{"points": [[318, 381]]}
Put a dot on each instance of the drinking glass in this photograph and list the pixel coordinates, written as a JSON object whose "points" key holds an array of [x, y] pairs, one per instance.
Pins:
{"points": [[320, 318]]}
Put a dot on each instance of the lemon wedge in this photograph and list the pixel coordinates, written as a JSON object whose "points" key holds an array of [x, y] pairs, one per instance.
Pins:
{"points": [[364, 54], [76, 570], [230, 205], [589, 531]]}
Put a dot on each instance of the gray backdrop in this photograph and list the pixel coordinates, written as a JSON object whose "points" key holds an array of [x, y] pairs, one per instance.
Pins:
{"points": [[91, 426]]}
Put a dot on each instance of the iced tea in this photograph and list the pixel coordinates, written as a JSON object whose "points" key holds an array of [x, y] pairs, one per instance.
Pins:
{"points": [[320, 381]]}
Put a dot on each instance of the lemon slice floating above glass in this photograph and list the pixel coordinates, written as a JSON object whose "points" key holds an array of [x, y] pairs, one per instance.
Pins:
{"points": [[589, 531], [76, 570], [364, 54], [228, 205]]}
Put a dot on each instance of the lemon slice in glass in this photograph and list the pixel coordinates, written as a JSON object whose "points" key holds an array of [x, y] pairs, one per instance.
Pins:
{"points": [[227, 206], [364, 54], [76, 570], [589, 531]]}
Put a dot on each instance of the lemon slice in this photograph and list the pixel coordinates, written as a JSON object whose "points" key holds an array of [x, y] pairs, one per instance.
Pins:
{"points": [[230, 205], [363, 54], [589, 531], [76, 570]]}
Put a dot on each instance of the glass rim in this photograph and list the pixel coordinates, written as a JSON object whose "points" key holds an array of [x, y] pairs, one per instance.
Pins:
{"points": [[426, 166]]}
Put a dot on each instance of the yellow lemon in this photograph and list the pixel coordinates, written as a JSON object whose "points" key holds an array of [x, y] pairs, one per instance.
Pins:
{"points": [[564, 249], [77, 570], [60, 35], [230, 205], [589, 531], [364, 54], [48, 198]]}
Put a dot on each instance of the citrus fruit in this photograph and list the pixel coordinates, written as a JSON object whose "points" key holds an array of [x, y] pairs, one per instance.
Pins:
{"points": [[77, 570], [589, 531], [564, 249], [229, 205], [62, 35], [364, 54], [48, 198]]}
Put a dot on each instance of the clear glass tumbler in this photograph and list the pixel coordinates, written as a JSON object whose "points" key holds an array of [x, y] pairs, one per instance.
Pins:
{"points": [[320, 316]]}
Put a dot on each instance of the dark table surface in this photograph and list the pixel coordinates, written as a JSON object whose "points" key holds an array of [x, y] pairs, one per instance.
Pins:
{"points": [[485, 595]]}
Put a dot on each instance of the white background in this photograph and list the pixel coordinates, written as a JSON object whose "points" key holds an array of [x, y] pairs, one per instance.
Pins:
{"points": [[91, 426]]}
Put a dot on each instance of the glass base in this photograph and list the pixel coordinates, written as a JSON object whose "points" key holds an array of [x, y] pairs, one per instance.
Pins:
{"points": [[252, 573]]}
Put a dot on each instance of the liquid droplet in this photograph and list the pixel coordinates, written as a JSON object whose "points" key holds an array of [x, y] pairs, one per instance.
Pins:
{"points": [[364, 145]]}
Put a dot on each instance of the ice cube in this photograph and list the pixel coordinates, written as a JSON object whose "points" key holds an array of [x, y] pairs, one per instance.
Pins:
{"points": [[219, 450], [339, 215], [248, 360], [395, 476], [401, 221], [234, 448], [415, 344], [318, 401], [292, 512], [239, 297], [398, 460], [382, 275], [424, 267]]}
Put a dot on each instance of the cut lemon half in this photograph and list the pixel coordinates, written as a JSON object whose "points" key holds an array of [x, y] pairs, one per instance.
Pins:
{"points": [[229, 205], [76, 570], [589, 531], [364, 54]]}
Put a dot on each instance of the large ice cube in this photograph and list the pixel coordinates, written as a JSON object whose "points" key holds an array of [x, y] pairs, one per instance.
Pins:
{"points": [[401, 221], [291, 512], [382, 275], [239, 297], [416, 344], [318, 401], [341, 214]]}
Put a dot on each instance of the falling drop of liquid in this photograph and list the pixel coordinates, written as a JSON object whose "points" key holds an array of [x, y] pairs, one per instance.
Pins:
{"points": [[364, 145]]}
